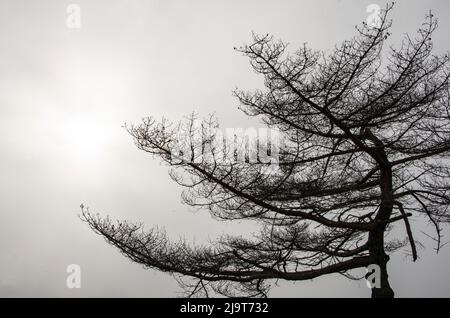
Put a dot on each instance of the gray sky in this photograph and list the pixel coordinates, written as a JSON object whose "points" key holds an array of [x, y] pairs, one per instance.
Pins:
{"points": [[65, 93]]}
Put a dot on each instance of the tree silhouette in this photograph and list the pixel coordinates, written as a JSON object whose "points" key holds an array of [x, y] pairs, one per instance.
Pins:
{"points": [[365, 147]]}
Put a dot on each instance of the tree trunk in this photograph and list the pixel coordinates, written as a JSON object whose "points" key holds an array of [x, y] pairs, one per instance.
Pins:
{"points": [[376, 236], [376, 250], [385, 290]]}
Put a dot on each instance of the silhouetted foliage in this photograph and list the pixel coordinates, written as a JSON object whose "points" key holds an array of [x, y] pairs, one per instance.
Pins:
{"points": [[366, 147]]}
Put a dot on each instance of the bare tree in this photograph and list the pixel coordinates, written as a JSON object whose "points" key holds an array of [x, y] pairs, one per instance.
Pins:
{"points": [[366, 147]]}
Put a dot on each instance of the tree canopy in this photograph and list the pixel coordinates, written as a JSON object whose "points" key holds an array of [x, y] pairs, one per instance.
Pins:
{"points": [[365, 146]]}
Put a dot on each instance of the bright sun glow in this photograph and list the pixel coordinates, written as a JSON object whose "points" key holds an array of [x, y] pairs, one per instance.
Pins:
{"points": [[89, 121], [83, 139]]}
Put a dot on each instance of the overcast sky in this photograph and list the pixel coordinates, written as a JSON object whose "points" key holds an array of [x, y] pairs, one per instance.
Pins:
{"points": [[65, 93]]}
